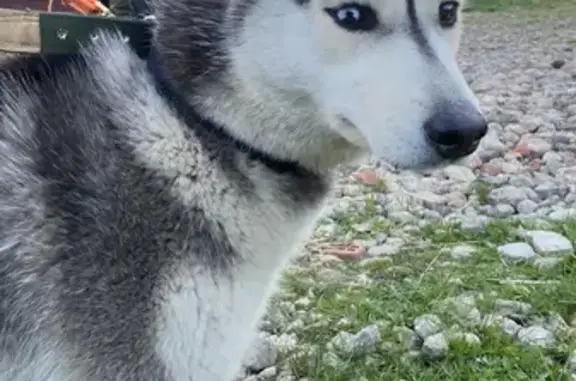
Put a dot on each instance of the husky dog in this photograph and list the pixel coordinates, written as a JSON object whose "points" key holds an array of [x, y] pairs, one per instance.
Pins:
{"points": [[147, 207]]}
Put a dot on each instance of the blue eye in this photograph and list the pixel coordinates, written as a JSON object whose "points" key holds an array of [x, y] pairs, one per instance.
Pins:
{"points": [[448, 13], [354, 17]]}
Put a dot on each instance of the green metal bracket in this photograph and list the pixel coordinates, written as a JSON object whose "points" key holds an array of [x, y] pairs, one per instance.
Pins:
{"points": [[63, 33]]}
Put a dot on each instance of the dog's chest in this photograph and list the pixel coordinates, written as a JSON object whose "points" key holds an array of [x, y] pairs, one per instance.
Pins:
{"points": [[208, 318]]}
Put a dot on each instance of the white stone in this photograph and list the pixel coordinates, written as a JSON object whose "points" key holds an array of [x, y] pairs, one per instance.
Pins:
{"points": [[517, 251], [549, 243]]}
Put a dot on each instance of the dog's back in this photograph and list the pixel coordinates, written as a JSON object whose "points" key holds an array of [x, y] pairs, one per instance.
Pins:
{"points": [[75, 257]]}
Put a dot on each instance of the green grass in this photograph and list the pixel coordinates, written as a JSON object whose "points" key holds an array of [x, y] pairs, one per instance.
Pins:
{"points": [[501, 5], [482, 190], [416, 282]]}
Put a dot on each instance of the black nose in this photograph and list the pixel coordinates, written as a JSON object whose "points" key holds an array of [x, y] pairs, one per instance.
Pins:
{"points": [[455, 134]]}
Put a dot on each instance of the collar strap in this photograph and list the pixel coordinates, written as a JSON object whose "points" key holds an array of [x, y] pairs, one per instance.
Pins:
{"points": [[62, 33]]}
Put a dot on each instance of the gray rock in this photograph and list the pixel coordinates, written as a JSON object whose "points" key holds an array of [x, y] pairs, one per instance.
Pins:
{"points": [[508, 194], [546, 263], [365, 341], [434, 347], [492, 320], [342, 344], [390, 247], [286, 342], [463, 251], [547, 190], [477, 224], [302, 302], [463, 308], [261, 354], [563, 214], [517, 251], [402, 216], [536, 337], [375, 261], [502, 211], [363, 227], [526, 207], [510, 327], [549, 243], [427, 325], [328, 230], [556, 324], [506, 307], [459, 173], [571, 363], [295, 325], [332, 360], [432, 200], [407, 338], [268, 374], [285, 375]]}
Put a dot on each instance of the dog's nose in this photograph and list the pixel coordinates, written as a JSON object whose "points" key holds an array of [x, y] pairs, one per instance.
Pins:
{"points": [[455, 134]]}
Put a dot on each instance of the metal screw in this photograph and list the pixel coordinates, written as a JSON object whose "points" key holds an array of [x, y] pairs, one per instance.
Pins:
{"points": [[62, 34]]}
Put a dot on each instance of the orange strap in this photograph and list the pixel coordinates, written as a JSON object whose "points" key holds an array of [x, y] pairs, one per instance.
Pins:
{"points": [[84, 6]]}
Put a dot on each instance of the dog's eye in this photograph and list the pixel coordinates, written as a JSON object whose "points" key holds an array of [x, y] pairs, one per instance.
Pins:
{"points": [[448, 13], [354, 17]]}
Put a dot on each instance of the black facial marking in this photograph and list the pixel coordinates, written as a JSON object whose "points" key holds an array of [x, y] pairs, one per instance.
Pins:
{"points": [[416, 29]]}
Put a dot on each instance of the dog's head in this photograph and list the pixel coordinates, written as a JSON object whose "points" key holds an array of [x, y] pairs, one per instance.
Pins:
{"points": [[380, 75]]}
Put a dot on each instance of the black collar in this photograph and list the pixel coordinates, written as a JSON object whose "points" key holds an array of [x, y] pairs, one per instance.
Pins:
{"points": [[206, 128]]}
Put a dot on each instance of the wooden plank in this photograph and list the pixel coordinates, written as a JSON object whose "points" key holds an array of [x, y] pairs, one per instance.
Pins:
{"points": [[19, 31]]}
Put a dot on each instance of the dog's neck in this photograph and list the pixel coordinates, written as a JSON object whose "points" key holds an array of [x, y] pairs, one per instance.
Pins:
{"points": [[280, 130], [193, 117], [285, 125]]}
